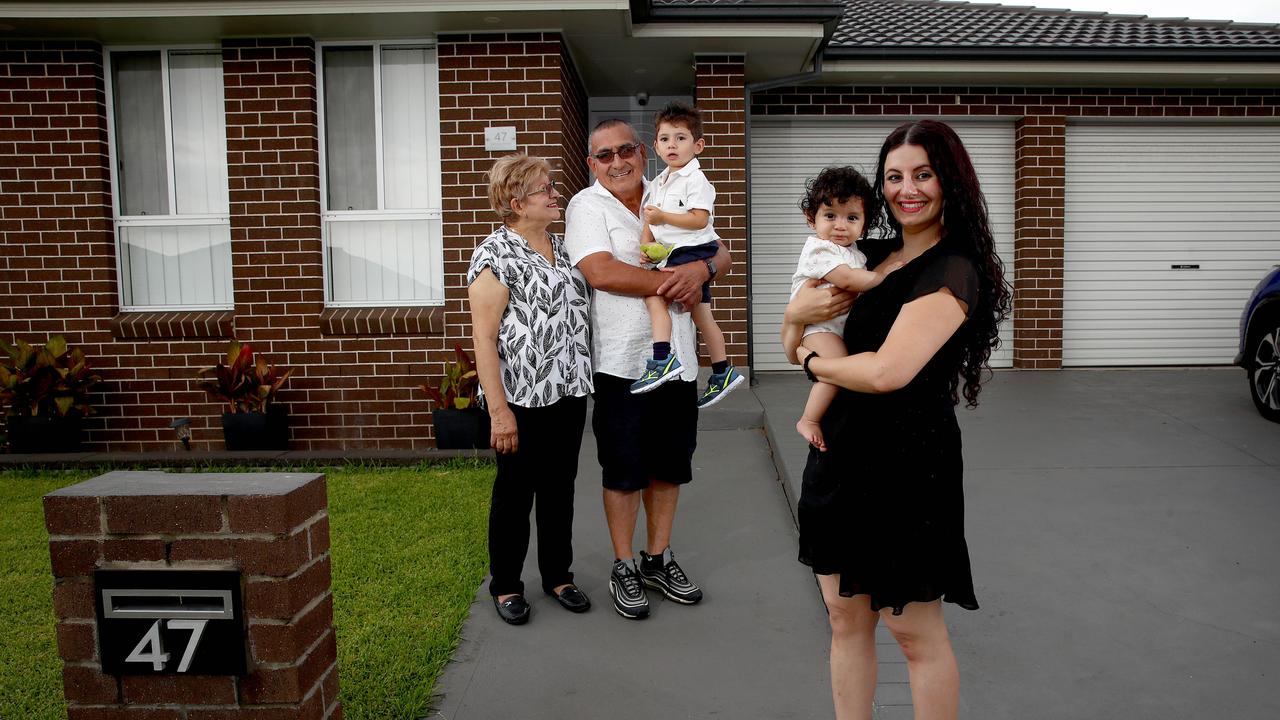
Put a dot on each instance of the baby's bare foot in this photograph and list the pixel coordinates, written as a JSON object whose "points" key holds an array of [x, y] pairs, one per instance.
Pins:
{"points": [[811, 431]]}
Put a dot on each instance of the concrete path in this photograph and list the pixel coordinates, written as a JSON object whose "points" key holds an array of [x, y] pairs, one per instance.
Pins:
{"points": [[755, 647], [1124, 528]]}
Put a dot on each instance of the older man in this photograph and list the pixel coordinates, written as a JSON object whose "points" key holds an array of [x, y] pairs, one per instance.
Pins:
{"points": [[645, 443]]}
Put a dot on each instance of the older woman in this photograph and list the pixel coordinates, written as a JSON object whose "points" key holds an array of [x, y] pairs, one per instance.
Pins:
{"points": [[882, 509], [531, 335]]}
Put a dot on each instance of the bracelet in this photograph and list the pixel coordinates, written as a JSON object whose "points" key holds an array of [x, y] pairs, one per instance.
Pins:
{"points": [[809, 373]]}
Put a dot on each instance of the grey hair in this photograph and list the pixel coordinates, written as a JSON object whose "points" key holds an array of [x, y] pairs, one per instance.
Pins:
{"points": [[612, 123]]}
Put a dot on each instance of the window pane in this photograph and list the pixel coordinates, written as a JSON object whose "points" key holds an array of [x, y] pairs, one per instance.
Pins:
{"points": [[350, 151], [384, 261], [199, 137], [176, 265], [140, 142], [404, 127]]}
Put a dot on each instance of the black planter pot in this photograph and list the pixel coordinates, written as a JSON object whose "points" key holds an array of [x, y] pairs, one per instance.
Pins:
{"points": [[41, 434], [257, 431], [462, 429]]}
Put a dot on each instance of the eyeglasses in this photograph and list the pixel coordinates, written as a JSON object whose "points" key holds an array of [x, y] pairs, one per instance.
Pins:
{"points": [[626, 152], [551, 188]]}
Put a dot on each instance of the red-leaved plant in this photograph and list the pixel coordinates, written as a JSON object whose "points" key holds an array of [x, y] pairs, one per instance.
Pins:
{"points": [[458, 385], [244, 382]]}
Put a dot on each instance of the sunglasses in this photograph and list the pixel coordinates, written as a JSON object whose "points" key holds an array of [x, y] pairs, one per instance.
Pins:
{"points": [[626, 152]]}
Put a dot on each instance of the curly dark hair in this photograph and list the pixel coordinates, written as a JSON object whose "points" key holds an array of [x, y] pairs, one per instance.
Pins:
{"points": [[836, 184], [967, 229], [678, 113]]}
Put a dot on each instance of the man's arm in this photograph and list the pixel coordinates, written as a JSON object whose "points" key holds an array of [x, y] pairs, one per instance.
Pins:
{"points": [[605, 272]]}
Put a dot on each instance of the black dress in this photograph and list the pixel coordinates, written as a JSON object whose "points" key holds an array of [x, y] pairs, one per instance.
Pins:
{"points": [[883, 507]]}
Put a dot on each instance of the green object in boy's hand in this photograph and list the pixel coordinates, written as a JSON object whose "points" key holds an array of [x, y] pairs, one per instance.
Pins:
{"points": [[656, 252]]}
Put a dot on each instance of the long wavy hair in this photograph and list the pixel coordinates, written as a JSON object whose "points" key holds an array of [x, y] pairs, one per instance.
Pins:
{"points": [[966, 228]]}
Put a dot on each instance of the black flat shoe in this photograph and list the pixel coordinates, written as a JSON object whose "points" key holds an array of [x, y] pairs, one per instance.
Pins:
{"points": [[514, 610], [572, 599]]}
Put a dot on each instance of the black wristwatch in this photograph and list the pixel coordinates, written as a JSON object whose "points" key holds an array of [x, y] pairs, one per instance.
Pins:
{"points": [[809, 373], [711, 268]]}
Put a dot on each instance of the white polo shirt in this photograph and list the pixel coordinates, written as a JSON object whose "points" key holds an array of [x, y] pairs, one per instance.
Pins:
{"points": [[621, 337], [680, 191]]}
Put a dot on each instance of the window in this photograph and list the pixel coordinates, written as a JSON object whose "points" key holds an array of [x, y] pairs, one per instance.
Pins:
{"points": [[169, 172], [381, 174]]}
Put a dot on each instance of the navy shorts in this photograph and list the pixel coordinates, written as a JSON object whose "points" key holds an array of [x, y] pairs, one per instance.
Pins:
{"points": [[644, 437], [695, 253]]}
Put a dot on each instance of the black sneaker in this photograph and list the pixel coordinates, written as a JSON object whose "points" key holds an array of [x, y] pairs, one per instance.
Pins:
{"points": [[627, 592], [662, 572]]}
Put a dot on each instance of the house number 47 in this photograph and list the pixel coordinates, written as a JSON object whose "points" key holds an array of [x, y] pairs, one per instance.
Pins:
{"points": [[151, 650]]}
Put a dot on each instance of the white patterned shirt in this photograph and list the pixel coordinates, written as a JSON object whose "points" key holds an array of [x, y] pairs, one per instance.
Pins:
{"points": [[679, 191], [621, 336], [544, 337]]}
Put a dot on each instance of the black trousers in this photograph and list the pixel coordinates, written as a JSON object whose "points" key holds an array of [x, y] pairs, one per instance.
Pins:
{"points": [[544, 467]]}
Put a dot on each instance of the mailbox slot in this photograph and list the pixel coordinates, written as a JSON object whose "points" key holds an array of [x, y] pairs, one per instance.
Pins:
{"points": [[168, 604]]}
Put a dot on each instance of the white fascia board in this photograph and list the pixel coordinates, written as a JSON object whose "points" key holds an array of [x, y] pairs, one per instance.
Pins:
{"points": [[195, 8], [1033, 69], [726, 30]]}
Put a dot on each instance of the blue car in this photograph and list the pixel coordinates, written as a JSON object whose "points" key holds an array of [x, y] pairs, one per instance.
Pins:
{"points": [[1259, 339]]}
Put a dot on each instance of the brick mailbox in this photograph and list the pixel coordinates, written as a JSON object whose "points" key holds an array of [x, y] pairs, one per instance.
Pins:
{"points": [[196, 596]]}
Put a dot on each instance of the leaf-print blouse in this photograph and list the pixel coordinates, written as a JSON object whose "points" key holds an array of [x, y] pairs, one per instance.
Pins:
{"points": [[544, 339]]}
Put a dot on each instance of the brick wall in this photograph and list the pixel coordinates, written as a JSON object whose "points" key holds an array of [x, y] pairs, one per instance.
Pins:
{"points": [[57, 266], [356, 371], [1038, 227], [277, 537], [1040, 172], [721, 96], [524, 80]]}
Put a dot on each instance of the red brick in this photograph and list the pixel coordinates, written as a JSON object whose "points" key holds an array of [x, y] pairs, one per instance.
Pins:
{"points": [[76, 642], [72, 558], [288, 642], [73, 599], [82, 684], [178, 689], [276, 513], [277, 557], [282, 599], [163, 513], [70, 515], [133, 550], [319, 535], [75, 712]]}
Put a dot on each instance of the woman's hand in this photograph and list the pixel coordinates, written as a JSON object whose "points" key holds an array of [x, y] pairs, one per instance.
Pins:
{"points": [[813, 305], [503, 437]]}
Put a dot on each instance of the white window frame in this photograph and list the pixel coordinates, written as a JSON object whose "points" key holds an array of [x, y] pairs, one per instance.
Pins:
{"points": [[172, 220], [434, 170]]}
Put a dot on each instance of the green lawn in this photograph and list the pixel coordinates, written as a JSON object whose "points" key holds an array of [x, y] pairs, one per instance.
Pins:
{"points": [[408, 555]]}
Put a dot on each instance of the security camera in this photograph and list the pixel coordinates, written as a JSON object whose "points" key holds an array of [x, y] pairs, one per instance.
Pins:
{"points": [[642, 98]]}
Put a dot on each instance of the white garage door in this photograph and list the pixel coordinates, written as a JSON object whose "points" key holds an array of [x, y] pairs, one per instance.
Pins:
{"points": [[1168, 228], [787, 151]]}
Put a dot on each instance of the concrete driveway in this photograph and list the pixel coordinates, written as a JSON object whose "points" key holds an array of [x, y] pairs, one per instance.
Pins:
{"points": [[1124, 527]]}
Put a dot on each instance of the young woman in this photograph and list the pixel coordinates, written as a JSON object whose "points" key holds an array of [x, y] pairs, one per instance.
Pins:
{"points": [[882, 510]]}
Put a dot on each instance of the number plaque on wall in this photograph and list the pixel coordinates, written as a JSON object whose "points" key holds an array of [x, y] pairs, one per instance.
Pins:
{"points": [[188, 622]]}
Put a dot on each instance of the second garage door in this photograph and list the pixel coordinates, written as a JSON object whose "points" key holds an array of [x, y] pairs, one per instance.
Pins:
{"points": [[786, 152], [1168, 228]]}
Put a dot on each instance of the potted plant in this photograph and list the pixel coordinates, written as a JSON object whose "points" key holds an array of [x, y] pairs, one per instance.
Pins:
{"points": [[44, 392], [247, 385], [459, 423]]}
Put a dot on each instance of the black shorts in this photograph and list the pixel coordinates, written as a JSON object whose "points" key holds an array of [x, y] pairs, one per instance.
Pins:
{"points": [[695, 253], [644, 437]]}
